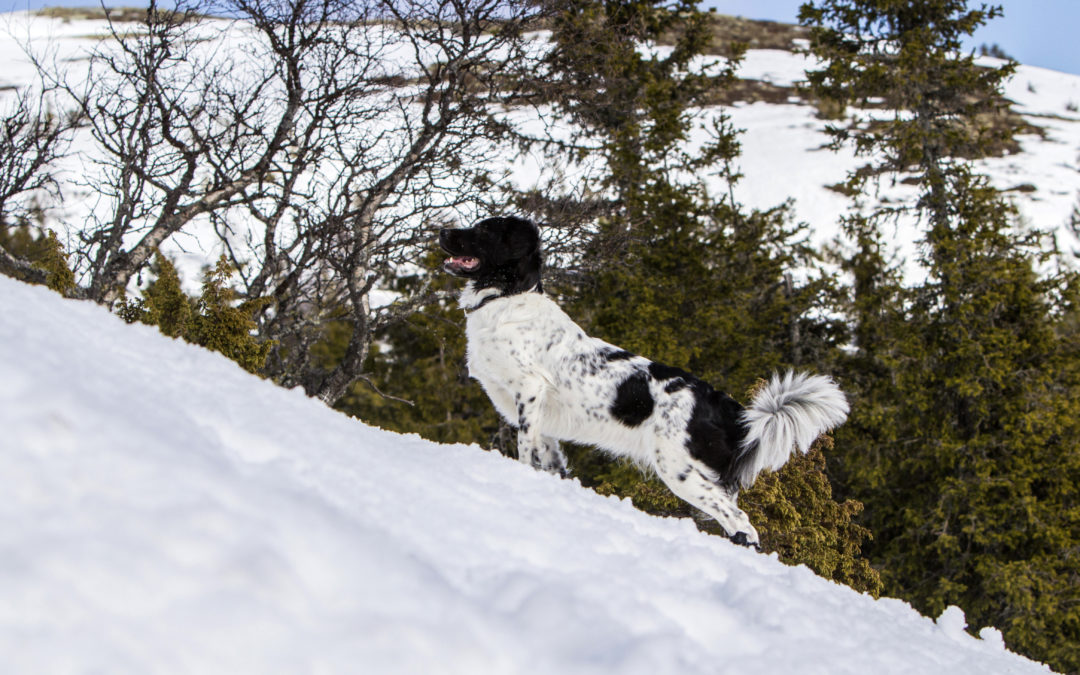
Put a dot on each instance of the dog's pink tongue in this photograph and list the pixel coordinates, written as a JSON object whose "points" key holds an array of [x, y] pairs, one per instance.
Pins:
{"points": [[463, 261]]}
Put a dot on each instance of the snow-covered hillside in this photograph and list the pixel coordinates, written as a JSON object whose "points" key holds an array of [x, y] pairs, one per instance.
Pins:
{"points": [[164, 511], [784, 155]]}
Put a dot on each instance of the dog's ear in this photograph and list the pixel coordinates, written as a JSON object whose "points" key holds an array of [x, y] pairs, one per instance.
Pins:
{"points": [[521, 238]]}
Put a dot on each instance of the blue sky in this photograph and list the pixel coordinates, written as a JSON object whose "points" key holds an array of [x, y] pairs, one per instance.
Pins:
{"points": [[1034, 32]]}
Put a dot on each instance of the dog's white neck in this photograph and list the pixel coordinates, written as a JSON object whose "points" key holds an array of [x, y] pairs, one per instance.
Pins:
{"points": [[472, 298]]}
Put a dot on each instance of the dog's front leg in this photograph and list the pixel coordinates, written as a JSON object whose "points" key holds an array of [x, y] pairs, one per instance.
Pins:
{"points": [[552, 458], [535, 449]]}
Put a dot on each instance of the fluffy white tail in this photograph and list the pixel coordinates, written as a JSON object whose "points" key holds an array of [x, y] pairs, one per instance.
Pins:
{"points": [[789, 413]]}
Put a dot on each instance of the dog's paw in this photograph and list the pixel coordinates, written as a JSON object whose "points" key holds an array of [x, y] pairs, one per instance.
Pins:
{"points": [[743, 539], [558, 470]]}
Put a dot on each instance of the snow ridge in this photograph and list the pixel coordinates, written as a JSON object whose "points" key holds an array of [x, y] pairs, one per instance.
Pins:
{"points": [[165, 511]]}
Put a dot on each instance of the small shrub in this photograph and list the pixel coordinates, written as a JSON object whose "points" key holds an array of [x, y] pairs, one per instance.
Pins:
{"points": [[47, 262], [213, 320]]}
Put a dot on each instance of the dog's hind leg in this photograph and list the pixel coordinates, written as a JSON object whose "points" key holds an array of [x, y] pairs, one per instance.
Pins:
{"points": [[692, 483]]}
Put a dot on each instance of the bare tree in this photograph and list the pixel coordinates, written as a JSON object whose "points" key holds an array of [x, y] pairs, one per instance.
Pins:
{"points": [[316, 142], [34, 134], [409, 119], [170, 106]]}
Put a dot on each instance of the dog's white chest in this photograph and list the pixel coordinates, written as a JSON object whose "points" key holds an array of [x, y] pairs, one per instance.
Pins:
{"points": [[513, 337]]}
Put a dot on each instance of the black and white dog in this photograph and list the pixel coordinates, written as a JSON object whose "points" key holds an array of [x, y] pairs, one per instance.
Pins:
{"points": [[553, 382]]}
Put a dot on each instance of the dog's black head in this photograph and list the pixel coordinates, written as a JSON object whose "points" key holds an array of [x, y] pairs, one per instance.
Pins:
{"points": [[502, 253]]}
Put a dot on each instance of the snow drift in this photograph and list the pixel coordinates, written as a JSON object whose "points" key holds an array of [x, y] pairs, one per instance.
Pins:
{"points": [[164, 511]]}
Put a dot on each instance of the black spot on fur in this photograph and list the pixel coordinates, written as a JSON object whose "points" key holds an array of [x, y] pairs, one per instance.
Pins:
{"points": [[675, 385], [523, 424], [676, 378], [660, 372], [590, 363], [715, 430], [633, 402], [617, 355]]}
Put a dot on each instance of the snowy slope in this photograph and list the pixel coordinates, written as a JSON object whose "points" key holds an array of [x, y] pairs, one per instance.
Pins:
{"points": [[784, 154], [164, 511]]}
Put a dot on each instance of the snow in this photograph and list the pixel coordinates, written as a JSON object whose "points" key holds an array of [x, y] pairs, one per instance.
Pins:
{"points": [[775, 66], [165, 511], [784, 156]]}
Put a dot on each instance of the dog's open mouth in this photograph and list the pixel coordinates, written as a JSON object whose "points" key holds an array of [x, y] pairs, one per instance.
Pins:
{"points": [[461, 263]]}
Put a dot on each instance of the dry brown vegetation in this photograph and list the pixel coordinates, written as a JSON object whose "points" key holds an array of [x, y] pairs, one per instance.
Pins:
{"points": [[752, 91], [753, 33], [96, 12]]}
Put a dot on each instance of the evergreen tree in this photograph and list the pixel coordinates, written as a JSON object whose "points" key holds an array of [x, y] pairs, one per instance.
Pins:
{"points": [[223, 325], [696, 282], [213, 320], [164, 303], [35, 259], [963, 443]]}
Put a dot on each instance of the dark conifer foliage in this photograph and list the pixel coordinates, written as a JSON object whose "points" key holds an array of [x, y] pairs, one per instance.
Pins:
{"points": [[963, 443], [216, 319], [687, 278], [417, 381], [36, 258]]}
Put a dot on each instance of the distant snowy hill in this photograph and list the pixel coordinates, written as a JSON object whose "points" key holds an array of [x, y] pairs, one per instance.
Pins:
{"points": [[783, 154], [163, 511]]}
